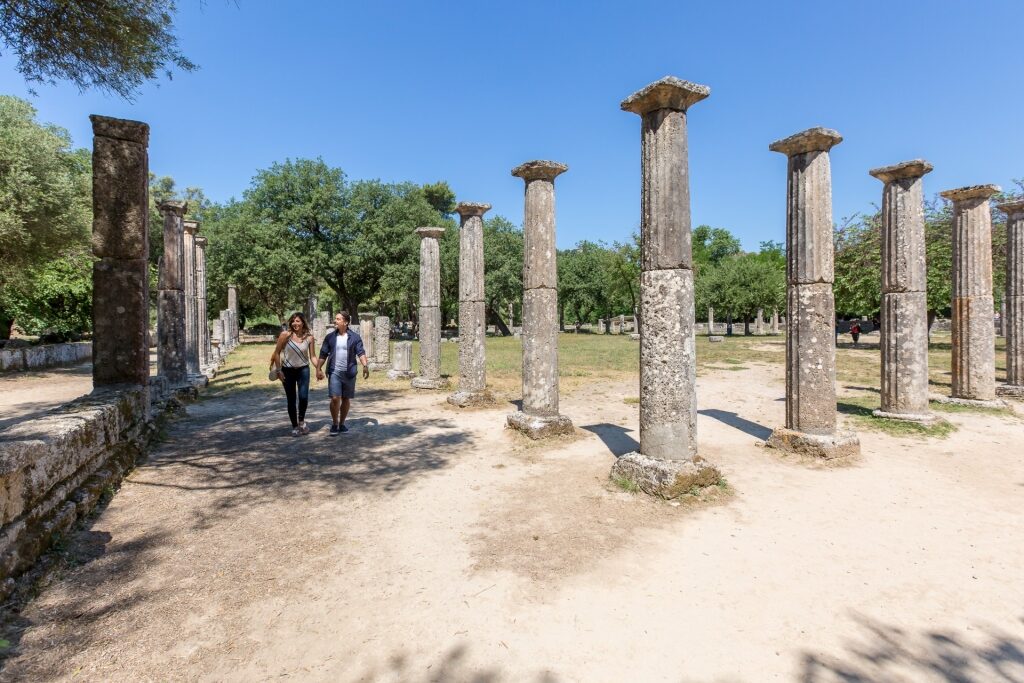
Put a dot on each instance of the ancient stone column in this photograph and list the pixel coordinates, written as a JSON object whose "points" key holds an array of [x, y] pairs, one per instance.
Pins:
{"points": [[904, 332], [472, 323], [1013, 318], [711, 321], [401, 365], [775, 321], [170, 324], [366, 332], [430, 309], [312, 309], [233, 331], [120, 244], [201, 315], [191, 305], [974, 351], [759, 323], [217, 341], [539, 416], [666, 465], [810, 313], [381, 359]]}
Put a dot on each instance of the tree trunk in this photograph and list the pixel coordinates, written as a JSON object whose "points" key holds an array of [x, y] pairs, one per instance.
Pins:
{"points": [[746, 326], [492, 315], [728, 325], [561, 317], [6, 325]]}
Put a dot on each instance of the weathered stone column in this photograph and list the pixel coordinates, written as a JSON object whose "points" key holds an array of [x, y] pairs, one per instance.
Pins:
{"points": [[120, 243], [904, 332], [810, 312], [401, 366], [775, 321], [430, 310], [472, 322], [312, 309], [366, 332], [233, 330], [974, 334], [711, 321], [191, 305], [170, 323], [1013, 318], [381, 359], [539, 416], [759, 323], [205, 362], [666, 464], [217, 342]]}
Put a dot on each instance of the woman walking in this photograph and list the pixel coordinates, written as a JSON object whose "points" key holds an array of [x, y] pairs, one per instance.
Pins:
{"points": [[290, 359]]}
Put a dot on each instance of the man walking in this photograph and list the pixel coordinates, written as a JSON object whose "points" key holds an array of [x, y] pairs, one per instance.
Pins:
{"points": [[341, 349]]}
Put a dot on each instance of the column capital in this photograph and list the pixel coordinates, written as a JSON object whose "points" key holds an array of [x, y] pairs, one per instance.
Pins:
{"points": [[430, 232], [811, 140], [120, 129], [1012, 206], [667, 93], [539, 169], [192, 227], [915, 168], [201, 241], [468, 209], [970, 192], [173, 206]]}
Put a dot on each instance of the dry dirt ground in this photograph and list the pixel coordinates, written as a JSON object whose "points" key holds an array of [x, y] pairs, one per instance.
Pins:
{"points": [[432, 545]]}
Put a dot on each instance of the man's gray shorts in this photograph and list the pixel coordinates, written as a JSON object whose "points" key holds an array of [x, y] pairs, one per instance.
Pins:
{"points": [[341, 386]]}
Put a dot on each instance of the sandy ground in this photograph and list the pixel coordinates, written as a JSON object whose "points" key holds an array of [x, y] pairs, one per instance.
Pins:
{"points": [[432, 545], [24, 395]]}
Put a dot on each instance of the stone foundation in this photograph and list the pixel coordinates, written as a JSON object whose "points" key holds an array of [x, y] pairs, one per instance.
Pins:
{"points": [[540, 426], [1010, 390], [466, 399], [666, 479], [44, 356], [926, 419], [400, 374], [823, 446], [971, 402], [428, 383]]}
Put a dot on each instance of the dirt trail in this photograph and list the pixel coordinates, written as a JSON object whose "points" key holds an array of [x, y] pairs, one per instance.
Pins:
{"points": [[432, 545]]}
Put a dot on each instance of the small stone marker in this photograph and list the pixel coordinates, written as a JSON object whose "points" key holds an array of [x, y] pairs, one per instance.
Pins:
{"points": [[401, 366], [714, 339]]}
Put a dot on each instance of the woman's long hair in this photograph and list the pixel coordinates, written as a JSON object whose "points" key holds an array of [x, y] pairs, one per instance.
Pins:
{"points": [[305, 328]]}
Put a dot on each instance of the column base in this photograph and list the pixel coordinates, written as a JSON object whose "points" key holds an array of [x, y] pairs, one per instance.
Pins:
{"points": [[374, 365], [428, 383], [540, 426], [666, 479], [198, 381], [926, 419], [1010, 390], [970, 402], [400, 374], [823, 446], [466, 399]]}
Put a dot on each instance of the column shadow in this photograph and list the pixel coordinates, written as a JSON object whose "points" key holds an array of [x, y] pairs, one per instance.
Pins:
{"points": [[758, 431], [615, 437]]}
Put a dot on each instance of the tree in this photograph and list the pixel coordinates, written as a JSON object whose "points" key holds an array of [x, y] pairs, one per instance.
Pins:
{"points": [[45, 201], [858, 266], [113, 45], [503, 267], [711, 246]]}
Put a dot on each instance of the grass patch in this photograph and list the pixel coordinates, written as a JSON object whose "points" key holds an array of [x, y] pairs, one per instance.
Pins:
{"points": [[977, 410], [860, 410], [631, 400], [627, 485]]}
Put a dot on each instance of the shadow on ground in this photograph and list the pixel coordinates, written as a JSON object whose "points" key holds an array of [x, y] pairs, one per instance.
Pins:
{"points": [[615, 437], [758, 431]]}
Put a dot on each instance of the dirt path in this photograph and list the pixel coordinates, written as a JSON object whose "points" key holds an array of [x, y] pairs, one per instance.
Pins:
{"points": [[24, 395], [431, 545]]}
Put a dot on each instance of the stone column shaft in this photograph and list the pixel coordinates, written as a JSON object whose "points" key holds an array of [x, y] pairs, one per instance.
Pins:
{"points": [[191, 304], [904, 332], [974, 370], [381, 360], [201, 314], [430, 309], [711, 321], [1013, 301], [233, 308], [120, 243], [472, 322], [171, 297]]}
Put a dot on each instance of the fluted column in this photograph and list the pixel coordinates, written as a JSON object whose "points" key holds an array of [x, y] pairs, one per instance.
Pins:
{"points": [[472, 323], [539, 416], [120, 244], [381, 359], [1013, 319], [170, 332], [974, 334], [430, 309], [668, 371], [191, 305], [233, 318], [810, 312], [711, 321], [904, 332], [202, 321]]}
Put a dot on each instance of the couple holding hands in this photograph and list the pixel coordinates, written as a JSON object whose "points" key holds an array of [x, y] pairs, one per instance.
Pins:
{"points": [[341, 351]]}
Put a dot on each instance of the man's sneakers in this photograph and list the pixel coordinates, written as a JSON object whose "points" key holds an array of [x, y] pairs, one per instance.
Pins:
{"points": [[343, 428], [334, 430]]}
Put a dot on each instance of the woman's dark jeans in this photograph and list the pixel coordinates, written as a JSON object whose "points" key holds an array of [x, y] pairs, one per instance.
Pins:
{"points": [[296, 378]]}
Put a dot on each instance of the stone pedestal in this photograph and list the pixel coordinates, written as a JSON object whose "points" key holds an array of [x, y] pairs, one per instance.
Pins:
{"points": [[668, 458], [1013, 301], [539, 417], [381, 359], [472, 324], [430, 310], [974, 361], [401, 365], [120, 244], [171, 297], [904, 332], [810, 316]]}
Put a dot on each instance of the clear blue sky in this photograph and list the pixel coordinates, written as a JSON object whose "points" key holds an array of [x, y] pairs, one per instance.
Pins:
{"points": [[465, 91]]}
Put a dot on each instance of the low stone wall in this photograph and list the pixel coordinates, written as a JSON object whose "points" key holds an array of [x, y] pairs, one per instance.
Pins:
{"points": [[54, 469], [44, 356]]}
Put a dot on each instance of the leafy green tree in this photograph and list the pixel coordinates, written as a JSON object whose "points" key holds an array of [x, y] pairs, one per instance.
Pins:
{"points": [[711, 246], [440, 196], [58, 297], [45, 201], [858, 266], [741, 285], [113, 45]]}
